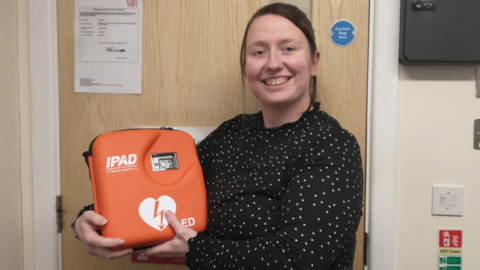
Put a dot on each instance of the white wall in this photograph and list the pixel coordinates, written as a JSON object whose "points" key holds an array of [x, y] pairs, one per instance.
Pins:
{"points": [[433, 127], [11, 253], [436, 110]]}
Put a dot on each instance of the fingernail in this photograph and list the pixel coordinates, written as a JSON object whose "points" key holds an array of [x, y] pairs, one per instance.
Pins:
{"points": [[168, 213], [121, 243], [104, 222]]}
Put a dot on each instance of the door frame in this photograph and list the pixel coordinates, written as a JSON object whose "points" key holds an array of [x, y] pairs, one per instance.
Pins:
{"points": [[45, 129], [381, 133]]}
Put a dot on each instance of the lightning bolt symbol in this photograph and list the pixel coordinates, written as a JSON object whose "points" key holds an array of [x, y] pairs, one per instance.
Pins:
{"points": [[157, 213]]}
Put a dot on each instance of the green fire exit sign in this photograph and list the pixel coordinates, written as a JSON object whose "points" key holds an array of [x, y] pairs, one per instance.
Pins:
{"points": [[450, 263]]}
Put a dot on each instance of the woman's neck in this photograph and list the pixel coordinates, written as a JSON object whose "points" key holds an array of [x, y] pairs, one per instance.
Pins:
{"points": [[276, 116]]}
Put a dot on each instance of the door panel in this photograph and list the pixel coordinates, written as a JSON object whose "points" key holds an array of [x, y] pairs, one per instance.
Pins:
{"points": [[191, 77]]}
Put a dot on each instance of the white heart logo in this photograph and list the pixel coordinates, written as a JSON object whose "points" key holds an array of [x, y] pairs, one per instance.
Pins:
{"points": [[153, 211]]}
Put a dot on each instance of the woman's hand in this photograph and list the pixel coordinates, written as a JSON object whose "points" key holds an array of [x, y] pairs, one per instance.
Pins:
{"points": [[178, 246], [86, 229]]}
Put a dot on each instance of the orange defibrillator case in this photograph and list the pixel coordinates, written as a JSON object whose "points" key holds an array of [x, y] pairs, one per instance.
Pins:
{"points": [[139, 174]]}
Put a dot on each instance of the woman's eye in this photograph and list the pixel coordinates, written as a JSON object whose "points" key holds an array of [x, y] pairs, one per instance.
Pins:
{"points": [[288, 49], [259, 53]]}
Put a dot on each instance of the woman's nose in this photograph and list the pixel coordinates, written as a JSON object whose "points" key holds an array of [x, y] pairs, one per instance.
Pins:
{"points": [[274, 62]]}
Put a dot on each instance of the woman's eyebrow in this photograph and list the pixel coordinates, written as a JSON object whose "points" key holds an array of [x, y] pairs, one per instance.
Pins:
{"points": [[257, 43], [264, 43]]}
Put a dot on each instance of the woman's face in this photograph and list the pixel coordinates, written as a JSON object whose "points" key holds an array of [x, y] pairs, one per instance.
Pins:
{"points": [[279, 63]]}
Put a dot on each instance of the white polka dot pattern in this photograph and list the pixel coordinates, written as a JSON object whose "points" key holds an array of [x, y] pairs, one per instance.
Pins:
{"points": [[282, 198]]}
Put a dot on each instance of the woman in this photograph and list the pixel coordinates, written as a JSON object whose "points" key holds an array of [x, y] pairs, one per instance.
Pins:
{"points": [[284, 186]]}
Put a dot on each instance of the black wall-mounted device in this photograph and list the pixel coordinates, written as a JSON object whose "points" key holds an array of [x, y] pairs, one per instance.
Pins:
{"points": [[440, 32]]}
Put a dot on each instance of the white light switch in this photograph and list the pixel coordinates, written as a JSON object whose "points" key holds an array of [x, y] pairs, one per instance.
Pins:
{"points": [[443, 200], [447, 201]]}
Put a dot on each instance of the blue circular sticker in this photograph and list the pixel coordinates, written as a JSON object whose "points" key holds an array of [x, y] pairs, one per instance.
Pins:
{"points": [[342, 33]]}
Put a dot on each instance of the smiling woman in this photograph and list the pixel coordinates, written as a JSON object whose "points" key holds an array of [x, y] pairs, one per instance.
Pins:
{"points": [[280, 39], [279, 66], [285, 185]]}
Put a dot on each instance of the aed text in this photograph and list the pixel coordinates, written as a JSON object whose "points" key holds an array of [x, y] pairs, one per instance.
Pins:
{"points": [[188, 222]]}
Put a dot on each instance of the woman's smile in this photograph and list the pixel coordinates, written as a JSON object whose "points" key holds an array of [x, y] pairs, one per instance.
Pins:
{"points": [[276, 81]]}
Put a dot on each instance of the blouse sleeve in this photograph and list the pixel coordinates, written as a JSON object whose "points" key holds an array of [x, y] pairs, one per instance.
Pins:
{"points": [[320, 213]]}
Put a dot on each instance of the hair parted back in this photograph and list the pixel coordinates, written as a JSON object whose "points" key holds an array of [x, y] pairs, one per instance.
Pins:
{"points": [[299, 19]]}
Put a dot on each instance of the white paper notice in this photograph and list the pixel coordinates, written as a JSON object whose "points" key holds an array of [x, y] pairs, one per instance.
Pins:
{"points": [[108, 46]]}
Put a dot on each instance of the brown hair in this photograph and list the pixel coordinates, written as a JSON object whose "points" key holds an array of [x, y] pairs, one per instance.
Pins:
{"points": [[297, 17]]}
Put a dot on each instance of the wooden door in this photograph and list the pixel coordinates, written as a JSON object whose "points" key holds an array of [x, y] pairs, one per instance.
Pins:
{"points": [[191, 77]]}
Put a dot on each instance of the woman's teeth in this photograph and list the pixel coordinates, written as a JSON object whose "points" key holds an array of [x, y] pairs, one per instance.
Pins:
{"points": [[276, 81]]}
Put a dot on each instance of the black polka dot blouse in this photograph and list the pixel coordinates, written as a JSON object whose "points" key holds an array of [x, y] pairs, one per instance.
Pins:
{"points": [[280, 198]]}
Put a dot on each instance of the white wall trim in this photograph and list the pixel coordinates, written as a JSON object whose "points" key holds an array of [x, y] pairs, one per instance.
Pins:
{"points": [[45, 129], [368, 150], [382, 138]]}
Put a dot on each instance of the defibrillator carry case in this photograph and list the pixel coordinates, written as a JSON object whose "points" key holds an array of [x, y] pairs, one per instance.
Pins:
{"points": [[137, 175]]}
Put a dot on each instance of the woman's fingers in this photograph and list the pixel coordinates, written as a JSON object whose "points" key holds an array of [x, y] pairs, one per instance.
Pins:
{"points": [[92, 238], [94, 218], [174, 222], [88, 222], [86, 228], [178, 246], [180, 230], [99, 246], [172, 248], [107, 253]]}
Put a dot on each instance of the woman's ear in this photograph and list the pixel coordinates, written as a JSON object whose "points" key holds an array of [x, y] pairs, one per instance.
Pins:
{"points": [[315, 60]]}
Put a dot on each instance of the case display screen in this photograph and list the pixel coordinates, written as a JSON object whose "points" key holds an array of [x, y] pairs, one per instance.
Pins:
{"points": [[164, 161]]}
